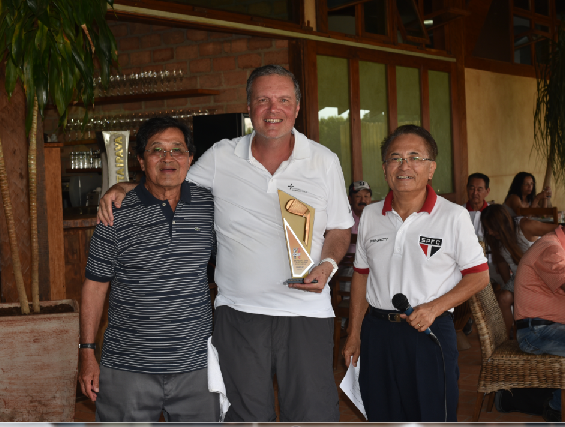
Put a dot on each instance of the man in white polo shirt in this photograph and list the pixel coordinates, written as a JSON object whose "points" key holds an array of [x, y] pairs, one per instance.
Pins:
{"points": [[423, 246], [263, 326]]}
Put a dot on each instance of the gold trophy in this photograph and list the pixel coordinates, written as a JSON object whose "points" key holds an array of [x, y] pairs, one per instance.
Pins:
{"points": [[298, 220]]}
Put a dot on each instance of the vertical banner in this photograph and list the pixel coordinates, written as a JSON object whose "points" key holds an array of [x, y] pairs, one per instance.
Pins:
{"points": [[117, 143]]}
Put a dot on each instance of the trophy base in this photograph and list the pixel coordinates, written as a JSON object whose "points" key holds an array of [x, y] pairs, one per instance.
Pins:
{"points": [[299, 280]]}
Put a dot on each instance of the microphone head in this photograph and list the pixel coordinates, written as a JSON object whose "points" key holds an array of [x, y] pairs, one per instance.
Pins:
{"points": [[400, 302]]}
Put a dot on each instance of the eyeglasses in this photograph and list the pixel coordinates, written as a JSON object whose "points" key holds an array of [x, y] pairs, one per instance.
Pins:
{"points": [[397, 161], [176, 153]]}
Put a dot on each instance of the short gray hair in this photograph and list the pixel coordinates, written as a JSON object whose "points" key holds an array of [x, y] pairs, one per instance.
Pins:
{"points": [[269, 70]]}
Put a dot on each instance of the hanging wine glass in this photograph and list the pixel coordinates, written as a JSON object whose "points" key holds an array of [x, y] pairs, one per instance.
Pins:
{"points": [[180, 79], [167, 79]]}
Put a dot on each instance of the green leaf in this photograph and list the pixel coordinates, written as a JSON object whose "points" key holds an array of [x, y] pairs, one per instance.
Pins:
{"points": [[41, 83], [55, 86], [32, 4], [17, 43], [11, 77]]}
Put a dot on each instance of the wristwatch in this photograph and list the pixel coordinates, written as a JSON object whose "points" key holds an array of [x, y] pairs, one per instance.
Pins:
{"points": [[334, 265], [88, 345]]}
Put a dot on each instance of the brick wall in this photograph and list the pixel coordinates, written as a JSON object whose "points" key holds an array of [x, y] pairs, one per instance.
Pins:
{"points": [[209, 60]]}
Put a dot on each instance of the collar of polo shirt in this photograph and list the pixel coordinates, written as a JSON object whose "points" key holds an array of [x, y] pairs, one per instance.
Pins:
{"points": [[428, 205], [149, 199], [301, 147]]}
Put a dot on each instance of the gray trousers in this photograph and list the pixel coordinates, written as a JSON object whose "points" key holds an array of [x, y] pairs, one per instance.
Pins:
{"points": [[253, 348], [136, 397]]}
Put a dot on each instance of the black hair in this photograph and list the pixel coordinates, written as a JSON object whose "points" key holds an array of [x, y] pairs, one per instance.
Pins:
{"points": [[516, 186], [479, 175], [156, 125], [429, 140], [269, 70]]}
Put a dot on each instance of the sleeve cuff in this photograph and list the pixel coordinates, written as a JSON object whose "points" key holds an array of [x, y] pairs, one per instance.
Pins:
{"points": [[96, 278], [475, 269], [361, 270]]}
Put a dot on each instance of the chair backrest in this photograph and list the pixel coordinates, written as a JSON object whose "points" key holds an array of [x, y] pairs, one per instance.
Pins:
{"points": [[538, 212], [489, 321]]}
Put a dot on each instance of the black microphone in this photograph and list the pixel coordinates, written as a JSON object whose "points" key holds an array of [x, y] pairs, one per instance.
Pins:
{"points": [[400, 302]]}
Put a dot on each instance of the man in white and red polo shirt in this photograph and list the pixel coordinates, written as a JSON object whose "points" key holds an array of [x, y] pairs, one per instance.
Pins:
{"points": [[477, 190], [423, 246]]}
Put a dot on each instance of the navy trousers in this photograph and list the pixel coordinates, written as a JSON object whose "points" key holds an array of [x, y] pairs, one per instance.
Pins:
{"points": [[402, 375]]}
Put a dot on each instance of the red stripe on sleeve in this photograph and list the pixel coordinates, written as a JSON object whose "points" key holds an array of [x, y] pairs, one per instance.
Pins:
{"points": [[361, 270], [475, 269]]}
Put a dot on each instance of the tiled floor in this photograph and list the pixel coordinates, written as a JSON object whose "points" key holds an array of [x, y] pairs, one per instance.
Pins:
{"points": [[469, 366]]}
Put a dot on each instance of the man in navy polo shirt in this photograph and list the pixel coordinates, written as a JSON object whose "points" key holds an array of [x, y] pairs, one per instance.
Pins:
{"points": [[155, 255], [421, 245]]}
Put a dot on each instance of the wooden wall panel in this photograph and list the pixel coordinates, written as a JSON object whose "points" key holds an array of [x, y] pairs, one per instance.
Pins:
{"points": [[355, 120], [54, 203]]}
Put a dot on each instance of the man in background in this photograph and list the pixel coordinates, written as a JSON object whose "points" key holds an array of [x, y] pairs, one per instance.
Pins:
{"points": [[359, 196], [477, 191], [539, 304]]}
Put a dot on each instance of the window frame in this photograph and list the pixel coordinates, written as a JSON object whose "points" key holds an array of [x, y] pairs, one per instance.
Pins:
{"points": [[391, 61]]}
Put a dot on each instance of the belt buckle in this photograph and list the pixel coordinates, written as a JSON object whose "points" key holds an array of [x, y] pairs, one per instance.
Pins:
{"points": [[394, 317]]}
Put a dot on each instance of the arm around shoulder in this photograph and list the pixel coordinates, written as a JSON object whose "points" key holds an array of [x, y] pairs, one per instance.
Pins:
{"points": [[115, 195]]}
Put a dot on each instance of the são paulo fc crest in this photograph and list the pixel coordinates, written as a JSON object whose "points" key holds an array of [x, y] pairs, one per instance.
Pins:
{"points": [[430, 245]]}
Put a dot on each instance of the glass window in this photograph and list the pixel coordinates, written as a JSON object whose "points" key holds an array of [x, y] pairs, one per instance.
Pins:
{"points": [[541, 27], [374, 124], [409, 17], [522, 4], [542, 51], [333, 110], [560, 9], [374, 15], [523, 55], [284, 10], [408, 96], [542, 7], [342, 20], [440, 128], [521, 26]]}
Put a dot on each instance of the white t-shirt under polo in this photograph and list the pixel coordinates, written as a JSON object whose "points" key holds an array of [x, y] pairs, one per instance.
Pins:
{"points": [[252, 260], [423, 257], [476, 218]]}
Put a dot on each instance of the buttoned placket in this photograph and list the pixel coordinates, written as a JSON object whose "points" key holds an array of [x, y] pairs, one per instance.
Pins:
{"points": [[272, 183], [401, 227]]}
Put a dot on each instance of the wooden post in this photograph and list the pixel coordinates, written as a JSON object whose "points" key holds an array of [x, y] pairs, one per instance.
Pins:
{"points": [[54, 201]]}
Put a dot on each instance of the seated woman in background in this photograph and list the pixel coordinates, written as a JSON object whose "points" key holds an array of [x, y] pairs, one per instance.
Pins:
{"points": [[522, 194], [508, 239]]}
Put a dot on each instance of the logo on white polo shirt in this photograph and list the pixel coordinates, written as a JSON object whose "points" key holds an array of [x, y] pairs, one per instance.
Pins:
{"points": [[293, 188], [382, 239], [430, 245]]}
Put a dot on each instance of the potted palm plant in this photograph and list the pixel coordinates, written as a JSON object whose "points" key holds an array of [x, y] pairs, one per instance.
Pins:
{"points": [[549, 115], [52, 48]]}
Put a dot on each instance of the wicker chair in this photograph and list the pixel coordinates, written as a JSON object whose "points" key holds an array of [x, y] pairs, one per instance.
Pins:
{"points": [[504, 365]]}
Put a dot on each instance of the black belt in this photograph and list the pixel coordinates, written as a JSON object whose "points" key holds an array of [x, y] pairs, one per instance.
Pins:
{"points": [[525, 323], [394, 316]]}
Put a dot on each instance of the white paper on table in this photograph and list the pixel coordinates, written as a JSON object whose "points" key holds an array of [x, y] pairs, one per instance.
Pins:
{"points": [[350, 385], [216, 380]]}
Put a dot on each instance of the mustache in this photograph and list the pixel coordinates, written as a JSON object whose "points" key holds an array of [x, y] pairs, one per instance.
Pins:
{"points": [[362, 204]]}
